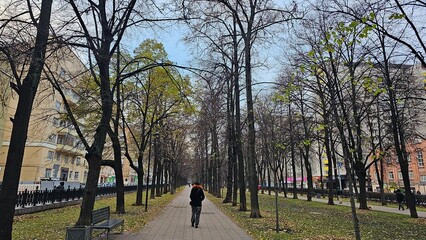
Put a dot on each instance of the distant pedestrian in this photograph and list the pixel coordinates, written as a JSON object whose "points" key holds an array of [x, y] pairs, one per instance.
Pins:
{"points": [[59, 191], [60, 187], [197, 196], [400, 199]]}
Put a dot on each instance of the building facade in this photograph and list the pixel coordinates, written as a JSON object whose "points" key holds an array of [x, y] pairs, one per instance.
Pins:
{"points": [[53, 150], [392, 172]]}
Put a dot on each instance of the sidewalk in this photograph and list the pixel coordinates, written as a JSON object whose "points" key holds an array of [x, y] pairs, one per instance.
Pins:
{"points": [[175, 224], [420, 210]]}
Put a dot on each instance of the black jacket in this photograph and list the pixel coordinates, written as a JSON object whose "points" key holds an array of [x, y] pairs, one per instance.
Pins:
{"points": [[400, 197], [197, 196]]}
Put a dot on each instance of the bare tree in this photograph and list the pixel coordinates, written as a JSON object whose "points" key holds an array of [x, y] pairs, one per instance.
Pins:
{"points": [[409, 33], [252, 18], [102, 41], [26, 90]]}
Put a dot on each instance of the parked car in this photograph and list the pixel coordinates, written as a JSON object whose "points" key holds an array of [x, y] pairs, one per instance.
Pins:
{"points": [[106, 184]]}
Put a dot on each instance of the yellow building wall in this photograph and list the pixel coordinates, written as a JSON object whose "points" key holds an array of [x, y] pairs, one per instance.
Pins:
{"points": [[44, 124]]}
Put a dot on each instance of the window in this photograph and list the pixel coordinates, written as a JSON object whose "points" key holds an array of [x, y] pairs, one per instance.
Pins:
{"points": [[411, 174], [50, 155], [70, 176], [66, 159], [77, 161], [76, 175], [389, 160], [423, 178], [48, 172], [420, 158], [62, 73], [58, 106], [58, 156], [55, 122], [55, 173], [400, 175], [408, 157], [60, 139], [52, 138], [390, 175]]}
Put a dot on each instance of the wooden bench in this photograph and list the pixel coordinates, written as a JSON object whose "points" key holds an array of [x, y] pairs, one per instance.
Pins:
{"points": [[101, 220]]}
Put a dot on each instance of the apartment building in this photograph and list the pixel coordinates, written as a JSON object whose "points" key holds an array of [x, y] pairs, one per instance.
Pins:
{"points": [[53, 150], [416, 147], [392, 176]]}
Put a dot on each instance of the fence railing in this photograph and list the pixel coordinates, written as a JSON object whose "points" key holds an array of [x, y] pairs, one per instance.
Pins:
{"points": [[41, 197], [371, 196]]}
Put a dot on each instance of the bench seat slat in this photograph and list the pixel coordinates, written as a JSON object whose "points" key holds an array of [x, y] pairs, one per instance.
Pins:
{"points": [[108, 224], [101, 220]]}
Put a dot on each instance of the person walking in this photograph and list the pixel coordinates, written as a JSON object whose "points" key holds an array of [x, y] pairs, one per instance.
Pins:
{"points": [[400, 199], [197, 196]]}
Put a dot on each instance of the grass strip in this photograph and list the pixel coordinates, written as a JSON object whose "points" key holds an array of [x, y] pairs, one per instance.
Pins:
{"points": [[300, 219], [52, 224]]}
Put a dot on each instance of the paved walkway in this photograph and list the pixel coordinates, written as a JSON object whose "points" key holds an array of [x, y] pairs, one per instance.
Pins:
{"points": [[175, 224], [420, 210]]}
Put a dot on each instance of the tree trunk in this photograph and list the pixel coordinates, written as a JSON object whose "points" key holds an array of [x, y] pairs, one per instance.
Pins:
{"points": [[159, 182], [251, 158], [239, 148], [154, 174], [94, 154], [284, 179], [301, 174], [330, 181], [360, 173], [140, 174], [27, 91], [89, 194], [276, 183], [118, 169], [308, 173], [215, 159], [292, 151], [230, 146], [140, 188], [399, 141]]}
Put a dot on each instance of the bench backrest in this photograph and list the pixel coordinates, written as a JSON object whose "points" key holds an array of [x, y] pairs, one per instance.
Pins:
{"points": [[100, 215]]}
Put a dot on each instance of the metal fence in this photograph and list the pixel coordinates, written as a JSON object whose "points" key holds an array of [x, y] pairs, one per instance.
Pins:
{"points": [[371, 196], [42, 197]]}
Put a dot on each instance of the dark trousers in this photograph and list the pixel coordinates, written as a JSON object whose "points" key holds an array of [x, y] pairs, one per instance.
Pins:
{"points": [[196, 212], [400, 205]]}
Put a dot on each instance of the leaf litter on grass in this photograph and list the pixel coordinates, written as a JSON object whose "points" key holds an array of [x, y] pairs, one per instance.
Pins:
{"points": [[299, 219]]}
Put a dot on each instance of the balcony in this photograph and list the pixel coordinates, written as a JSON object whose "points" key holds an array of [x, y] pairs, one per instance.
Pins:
{"points": [[69, 149]]}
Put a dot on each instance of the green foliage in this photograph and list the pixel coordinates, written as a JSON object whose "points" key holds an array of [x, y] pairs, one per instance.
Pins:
{"points": [[150, 50], [88, 105], [397, 16], [319, 127], [280, 146], [307, 142], [373, 85]]}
